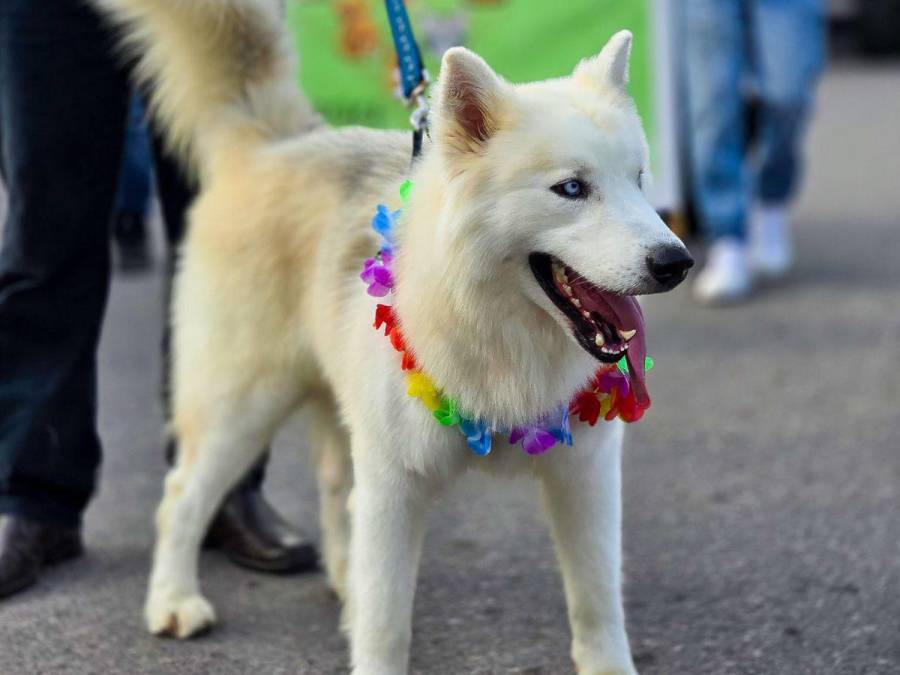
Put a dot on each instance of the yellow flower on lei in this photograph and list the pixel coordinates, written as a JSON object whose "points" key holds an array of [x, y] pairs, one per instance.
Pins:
{"points": [[419, 385]]}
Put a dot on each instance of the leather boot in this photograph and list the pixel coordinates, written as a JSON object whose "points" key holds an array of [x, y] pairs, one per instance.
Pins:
{"points": [[26, 546], [252, 534]]}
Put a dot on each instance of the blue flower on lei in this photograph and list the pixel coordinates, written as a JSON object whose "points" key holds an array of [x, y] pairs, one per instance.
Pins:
{"points": [[384, 222], [478, 435]]}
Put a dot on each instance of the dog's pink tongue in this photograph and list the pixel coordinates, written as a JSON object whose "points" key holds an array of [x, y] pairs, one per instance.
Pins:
{"points": [[629, 317]]}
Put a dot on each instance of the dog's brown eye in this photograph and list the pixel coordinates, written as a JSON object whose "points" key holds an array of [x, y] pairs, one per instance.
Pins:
{"points": [[571, 189]]}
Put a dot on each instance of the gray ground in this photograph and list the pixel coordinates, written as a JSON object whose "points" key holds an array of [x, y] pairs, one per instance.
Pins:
{"points": [[761, 491]]}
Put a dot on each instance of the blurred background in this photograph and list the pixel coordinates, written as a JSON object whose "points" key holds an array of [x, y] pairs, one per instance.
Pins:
{"points": [[761, 490]]}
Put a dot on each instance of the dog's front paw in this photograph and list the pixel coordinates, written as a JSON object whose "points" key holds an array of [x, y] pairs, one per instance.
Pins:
{"points": [[612, 670], [605, 669], [178, 616], [589, 662]]}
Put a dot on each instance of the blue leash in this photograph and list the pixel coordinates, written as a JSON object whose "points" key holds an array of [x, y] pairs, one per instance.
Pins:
{"points": [[409, 57], [413, 78]]}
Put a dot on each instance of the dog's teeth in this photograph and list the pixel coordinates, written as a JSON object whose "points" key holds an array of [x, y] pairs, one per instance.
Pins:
{"points": [[599, 341], [567, 289], [586, 314], [576, 302], [559, 274], [627, 334]]}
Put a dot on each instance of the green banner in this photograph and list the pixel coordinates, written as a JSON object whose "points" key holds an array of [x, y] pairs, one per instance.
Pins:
{"points": [[347, 58]]}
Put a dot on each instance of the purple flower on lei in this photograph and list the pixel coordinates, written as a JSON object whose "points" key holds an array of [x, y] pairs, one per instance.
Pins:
{"points": [[551, 429], [534, 439], [614, 379], [377, 274]]}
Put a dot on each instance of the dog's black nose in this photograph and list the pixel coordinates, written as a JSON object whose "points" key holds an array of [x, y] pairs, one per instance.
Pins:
{"points": [[669, 265]]}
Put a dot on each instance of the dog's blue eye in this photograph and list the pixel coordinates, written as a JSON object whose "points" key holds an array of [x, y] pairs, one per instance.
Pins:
{"points": [[640, 180], [570, 189]]}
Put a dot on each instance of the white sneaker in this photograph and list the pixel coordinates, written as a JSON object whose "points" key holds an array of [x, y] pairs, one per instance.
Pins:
{"points": [[726, 275], [771, 250]]}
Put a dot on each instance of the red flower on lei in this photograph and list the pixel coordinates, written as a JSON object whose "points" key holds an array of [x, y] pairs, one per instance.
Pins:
{"points": [[609, 395], [384, 316]]}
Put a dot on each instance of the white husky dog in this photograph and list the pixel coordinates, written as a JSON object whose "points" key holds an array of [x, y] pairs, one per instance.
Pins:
{"points": [[519, 187]]}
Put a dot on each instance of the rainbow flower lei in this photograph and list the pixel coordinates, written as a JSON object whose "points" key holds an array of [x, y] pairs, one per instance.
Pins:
{"points": [[608, 395]]}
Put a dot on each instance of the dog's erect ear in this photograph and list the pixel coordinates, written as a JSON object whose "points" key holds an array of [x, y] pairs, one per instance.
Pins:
{"points": [[468, 97], [610, 66]]}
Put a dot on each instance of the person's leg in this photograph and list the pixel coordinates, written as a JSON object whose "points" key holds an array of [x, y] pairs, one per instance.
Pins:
{"points": [[788, 38], [133, 195], [246, 526], [789, 52], [714, 66], [62, 109]]}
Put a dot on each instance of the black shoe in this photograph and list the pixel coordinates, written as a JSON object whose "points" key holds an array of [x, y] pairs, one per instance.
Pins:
{"points": [[130, 237], [252, 534], [27, 545]]}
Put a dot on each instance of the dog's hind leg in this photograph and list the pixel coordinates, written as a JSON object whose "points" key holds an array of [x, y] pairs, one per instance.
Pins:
{"points": [[582, 494], [213, 454], [334, 470]]}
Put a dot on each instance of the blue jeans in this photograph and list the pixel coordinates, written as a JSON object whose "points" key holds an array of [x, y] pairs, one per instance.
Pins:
{"points": [[780, 45], [136, 178]]}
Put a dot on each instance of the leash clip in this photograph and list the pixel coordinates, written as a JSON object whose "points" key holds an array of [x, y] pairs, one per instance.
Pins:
{"points": [[417, 100], [418, 118]]}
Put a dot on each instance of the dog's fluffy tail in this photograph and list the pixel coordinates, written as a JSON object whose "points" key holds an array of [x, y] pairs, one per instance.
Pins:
{"points": [[218, 70]]}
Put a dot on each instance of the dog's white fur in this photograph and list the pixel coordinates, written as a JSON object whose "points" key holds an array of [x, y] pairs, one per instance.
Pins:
{"points": [[270, 314]]}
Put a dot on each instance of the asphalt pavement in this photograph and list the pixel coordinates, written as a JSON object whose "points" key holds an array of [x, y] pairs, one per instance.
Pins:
{"points": [[761, 491]]}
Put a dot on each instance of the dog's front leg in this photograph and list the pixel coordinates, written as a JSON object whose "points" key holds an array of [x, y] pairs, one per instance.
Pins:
{"points": [[388, 511], [582, 493]]}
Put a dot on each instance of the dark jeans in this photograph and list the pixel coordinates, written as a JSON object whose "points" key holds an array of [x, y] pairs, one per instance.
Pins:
{"points": [[136, 176], [63, 100], [63, 105]]}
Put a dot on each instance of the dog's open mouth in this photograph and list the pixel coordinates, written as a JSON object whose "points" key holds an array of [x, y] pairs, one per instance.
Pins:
{"points": [[607, 325]]}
